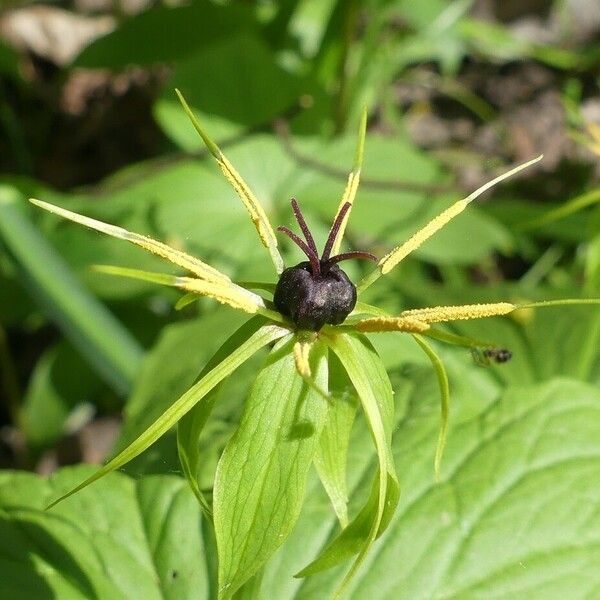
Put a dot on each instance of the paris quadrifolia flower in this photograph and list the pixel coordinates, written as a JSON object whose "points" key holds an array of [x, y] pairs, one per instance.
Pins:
{"points": [[320, 365]]}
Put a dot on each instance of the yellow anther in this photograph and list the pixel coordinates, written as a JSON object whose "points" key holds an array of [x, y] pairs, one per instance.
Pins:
{"points": [[437, 314], [381, 324], [301, 356], [232, 295], [352, 185], [177, 257]]}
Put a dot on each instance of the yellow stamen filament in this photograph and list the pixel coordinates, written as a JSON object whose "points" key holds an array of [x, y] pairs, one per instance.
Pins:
{"points": [[437, 314], [301, 355], [177, 257], [390, 260], [253, 206], [352, 184], [381, 324]]}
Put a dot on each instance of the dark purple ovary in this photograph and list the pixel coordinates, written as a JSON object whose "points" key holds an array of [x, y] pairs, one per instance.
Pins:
{"points": [[310, 301]]}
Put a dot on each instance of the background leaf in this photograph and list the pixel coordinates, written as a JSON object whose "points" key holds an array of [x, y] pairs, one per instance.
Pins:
{"points": [[241, 69], [198, 25], [504, 472], [54, 394], [138, 538]]}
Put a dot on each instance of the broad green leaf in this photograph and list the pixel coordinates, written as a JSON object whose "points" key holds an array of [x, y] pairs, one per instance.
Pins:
{"points": [[141, 39], [520, 489], [92, 329], [120, 539], [514, 515], [229, 85], [371, 382], [332, 454], [261, 477], [191, 425], [264, 336]]}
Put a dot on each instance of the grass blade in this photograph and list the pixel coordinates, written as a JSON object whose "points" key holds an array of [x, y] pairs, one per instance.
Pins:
{"points": [[91, 328]]}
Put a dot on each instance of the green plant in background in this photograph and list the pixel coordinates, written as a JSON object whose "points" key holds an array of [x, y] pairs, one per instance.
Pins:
{"points": [[301, 407]]}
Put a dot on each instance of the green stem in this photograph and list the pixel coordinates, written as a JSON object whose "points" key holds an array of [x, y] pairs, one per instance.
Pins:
{"points": [[456, 340], [542, 267]]}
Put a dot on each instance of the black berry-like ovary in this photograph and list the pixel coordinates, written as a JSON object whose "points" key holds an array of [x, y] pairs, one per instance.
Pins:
{"points": [[312, 300]]}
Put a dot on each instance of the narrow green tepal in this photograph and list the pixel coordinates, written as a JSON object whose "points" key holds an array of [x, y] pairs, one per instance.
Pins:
{"points": [[444, 386], [265, 335], [99, 336], [331, 459], [191, 425]]}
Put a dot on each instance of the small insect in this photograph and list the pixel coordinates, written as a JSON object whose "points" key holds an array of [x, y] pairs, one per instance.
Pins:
{"points": [[317, 291], [498, 355], [486, 356]]}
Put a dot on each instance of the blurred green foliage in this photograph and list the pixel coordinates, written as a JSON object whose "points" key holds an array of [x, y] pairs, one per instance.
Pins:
{"points": [[280, 85]]}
